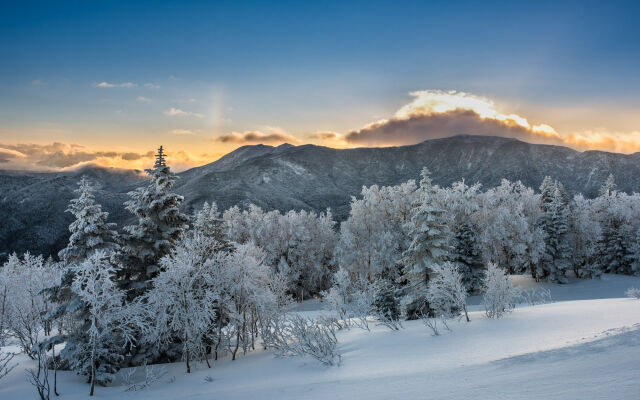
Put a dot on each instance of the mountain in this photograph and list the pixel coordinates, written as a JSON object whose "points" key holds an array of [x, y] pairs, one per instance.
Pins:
{"points": [[304, 177]]}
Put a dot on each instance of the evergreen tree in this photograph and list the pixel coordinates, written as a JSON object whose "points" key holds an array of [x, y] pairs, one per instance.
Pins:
{"points": [[554, 221], [208, 222], [467, 256], [90, 233], [616, 247], [609, 187], [110, 324], [160, 225], [429, 246]]}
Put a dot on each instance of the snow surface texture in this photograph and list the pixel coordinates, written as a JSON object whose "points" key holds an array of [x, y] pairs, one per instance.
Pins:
{"points": [[574, 348]]}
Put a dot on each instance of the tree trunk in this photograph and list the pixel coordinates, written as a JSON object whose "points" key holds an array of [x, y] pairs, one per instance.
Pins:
{"points": [[93, 377]]}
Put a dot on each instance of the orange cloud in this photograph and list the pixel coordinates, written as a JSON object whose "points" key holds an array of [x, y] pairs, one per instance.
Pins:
{"points": [[62, 156], [273, 135]]}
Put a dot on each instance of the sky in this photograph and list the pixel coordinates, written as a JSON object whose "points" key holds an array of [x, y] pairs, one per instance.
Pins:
{"points": [[107, 82]]}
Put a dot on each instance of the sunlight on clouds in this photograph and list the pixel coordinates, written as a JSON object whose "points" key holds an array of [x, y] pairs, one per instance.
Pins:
{"points": [[427, 102]]}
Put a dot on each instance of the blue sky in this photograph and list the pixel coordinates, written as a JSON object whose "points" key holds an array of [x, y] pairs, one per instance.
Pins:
{"points": [[296, 68]]}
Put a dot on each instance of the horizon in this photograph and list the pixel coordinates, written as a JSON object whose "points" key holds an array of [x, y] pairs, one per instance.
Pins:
{"points": [[90, 165], [205, 79]]}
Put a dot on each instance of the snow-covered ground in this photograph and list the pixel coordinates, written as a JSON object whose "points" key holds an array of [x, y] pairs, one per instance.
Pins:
{"points": [[584, 345]]}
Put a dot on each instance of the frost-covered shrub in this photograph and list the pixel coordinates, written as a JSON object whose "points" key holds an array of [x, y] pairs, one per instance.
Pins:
{"points": [[295, 336], [352, 302], [500, 295], [446, 294], [633, 293]]}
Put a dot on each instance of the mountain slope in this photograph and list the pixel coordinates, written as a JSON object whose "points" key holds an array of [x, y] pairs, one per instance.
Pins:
{"points": [[305, 177]]}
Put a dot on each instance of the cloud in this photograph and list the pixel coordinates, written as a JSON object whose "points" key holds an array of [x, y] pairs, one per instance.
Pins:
{"points": [[181, 132], [62, 156], [144, 99], [113, 85], [150, 85], [436, 114], [38, 82], [273, 135], [176, 112]]}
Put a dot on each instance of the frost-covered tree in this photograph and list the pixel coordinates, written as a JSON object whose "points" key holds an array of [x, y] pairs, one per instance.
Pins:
{"points": [[500, 295], [508, 232], [24, 304], [247, 298], [584, 238], [208, 222], [429, 245], [90, 232], [298, 244], [183, 298], [467, 255], [160, 225], [111, 324], [554, 222], [446, 293], [374, 237]]}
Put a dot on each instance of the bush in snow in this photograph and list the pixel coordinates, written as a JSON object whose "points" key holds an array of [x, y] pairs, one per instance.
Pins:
{"points": [[446, 294], [294, 335], [5, 363], [350, 301], [23, 303], [633, 293], [500, 295]]}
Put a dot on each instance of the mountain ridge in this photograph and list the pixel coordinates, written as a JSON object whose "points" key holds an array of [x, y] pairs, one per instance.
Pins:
{"points": [[304, 177]]}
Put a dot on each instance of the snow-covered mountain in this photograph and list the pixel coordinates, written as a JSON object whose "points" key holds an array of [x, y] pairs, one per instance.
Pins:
{"points": [[304, 177]]}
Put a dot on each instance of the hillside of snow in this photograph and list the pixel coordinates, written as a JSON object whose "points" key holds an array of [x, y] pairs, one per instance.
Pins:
{"points": [[583, 345]]}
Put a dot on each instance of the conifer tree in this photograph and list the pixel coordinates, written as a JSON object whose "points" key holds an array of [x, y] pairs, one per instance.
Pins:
{"points": [[429, 246], [160, 225], [90, 233], [467, 256], [209, 223], [554, 222]]}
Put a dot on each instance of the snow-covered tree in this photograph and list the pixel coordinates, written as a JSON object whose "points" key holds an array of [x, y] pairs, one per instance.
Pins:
{"points": [[446, 293], [183, 297], [467, 255], [506, 222], [24, 304], [554, 223], [208, 222], [111, 324], [584, 238], [429, 245], [90, 232], [500, 295], [374, 237], [246, 297], [160, 225], [298, 244]]}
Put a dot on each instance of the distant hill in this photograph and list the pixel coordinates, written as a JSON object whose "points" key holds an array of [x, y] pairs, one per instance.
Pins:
{"points": [[304, 177]]}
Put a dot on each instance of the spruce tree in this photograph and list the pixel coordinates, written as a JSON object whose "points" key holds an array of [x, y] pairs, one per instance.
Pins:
{"points": [[208, 222], [90, 233], [160, 225], [429, 246], [467, 256], [554, 221]]}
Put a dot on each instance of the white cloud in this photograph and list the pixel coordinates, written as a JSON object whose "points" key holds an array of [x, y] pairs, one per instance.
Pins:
{"points": [[176, 112], [144, 99], [181, 132], [113, 85], [150, 85]]}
